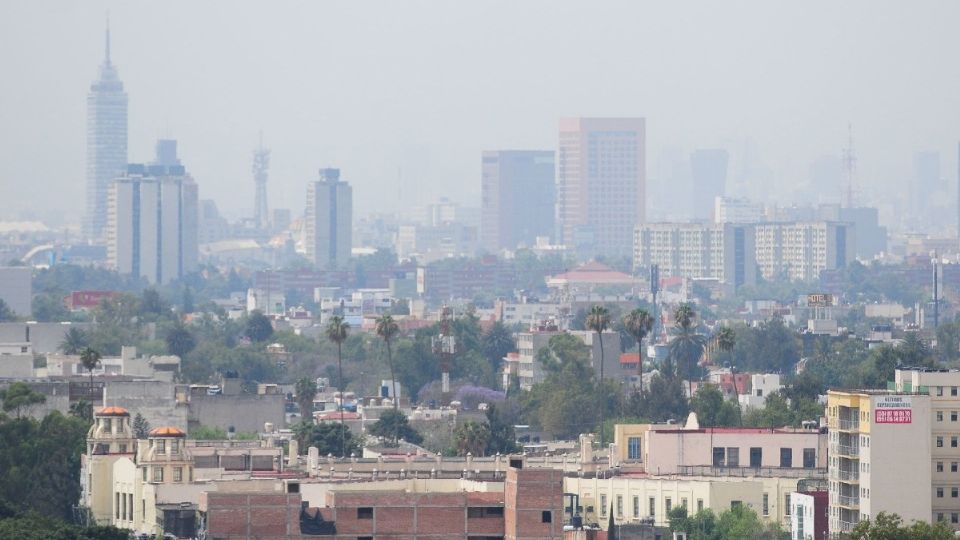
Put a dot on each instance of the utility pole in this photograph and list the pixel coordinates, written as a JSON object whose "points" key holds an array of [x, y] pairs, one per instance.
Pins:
{"points": [[444, 346]]}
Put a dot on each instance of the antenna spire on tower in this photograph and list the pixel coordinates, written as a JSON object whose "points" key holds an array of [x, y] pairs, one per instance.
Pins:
{"points": [[106, 49]]}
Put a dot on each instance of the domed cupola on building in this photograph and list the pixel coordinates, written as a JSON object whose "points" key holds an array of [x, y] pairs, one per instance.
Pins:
{"points": [[109, 439], [164, 459], [111, 433]]}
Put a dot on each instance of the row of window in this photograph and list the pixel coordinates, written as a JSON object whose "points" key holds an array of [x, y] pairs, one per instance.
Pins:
{"points": [[953, 466], [954, 441], [668, 505], [158, 474], [123, 506], [953, 416], [953, 391], [730, 457], [546, 516], [954, 517], [954, 492]]}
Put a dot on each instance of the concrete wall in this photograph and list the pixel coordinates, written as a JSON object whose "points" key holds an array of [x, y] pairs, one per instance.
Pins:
{"points": [[245, 412], [154, 400], [666, 450], [44, 337], [15, 289], [17, 366]]}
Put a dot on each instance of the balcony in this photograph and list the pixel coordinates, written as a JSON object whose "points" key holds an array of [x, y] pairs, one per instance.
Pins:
{"points": [[845, 526], [850, 501], [851, 477], [848, 450], [848, 425]]}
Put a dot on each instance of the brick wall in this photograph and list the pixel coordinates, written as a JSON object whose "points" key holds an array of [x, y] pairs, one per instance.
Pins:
{"points": [[265, 516], [531, 496]]}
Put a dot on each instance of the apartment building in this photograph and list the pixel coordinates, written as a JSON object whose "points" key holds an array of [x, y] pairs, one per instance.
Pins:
{"points": [[799, 251], [722, 251], [943, 386], [880, 456]]}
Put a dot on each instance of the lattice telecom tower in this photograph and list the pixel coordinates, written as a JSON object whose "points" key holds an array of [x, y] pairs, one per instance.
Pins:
{"points": [[261, 163]]}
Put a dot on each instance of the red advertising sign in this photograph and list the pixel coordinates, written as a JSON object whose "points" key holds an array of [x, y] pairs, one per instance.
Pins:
{"points": [[893, 416]]}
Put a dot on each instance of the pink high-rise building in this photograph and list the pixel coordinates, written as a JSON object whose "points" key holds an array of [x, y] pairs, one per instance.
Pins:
{"points": [[601, 184]]}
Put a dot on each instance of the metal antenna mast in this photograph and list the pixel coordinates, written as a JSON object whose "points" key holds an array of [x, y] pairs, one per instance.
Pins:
{"points": [[261, 163], [445, 346]]}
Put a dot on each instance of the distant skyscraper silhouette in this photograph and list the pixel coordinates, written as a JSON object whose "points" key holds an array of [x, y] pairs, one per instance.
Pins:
{"points": [[328, 224], [517, 197], [601, 184], [261, 163], [106, 143], [708, 167]]}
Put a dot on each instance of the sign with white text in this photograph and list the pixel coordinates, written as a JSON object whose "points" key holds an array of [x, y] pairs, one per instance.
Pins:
{"points": [[893, 410]]}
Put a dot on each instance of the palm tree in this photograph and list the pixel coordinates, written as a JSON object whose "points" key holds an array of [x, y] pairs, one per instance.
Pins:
{"points": [[74, 341], [638, 324], [687, 345], [89, 359], [726, 340], [388, 329], [337, 330], [598, 320], [306, 389]]}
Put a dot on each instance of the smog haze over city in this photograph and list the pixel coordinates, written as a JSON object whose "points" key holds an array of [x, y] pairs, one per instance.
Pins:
{"points": [[403, 96], [479, 270]]}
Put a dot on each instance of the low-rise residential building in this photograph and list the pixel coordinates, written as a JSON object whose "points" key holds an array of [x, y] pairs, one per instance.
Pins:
{"points": [[880, 456], [810, 515], [761, 386]]}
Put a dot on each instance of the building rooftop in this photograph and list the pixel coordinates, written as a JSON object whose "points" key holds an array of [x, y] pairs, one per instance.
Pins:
{"points": [[113, 411], [167, 431]]}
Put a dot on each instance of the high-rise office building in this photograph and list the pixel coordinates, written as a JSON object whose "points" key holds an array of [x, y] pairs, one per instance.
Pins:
{"points": [[736, 210], [106, 143], [601, 184], [153, 219], [708, 167], [799, 251], [517, 198], [328, 224], [722, 251]]}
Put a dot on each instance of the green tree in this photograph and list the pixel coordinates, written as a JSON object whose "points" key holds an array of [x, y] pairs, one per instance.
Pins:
{"points": [[665, 400], [89, 358], [888, 526], [259, 328], [393, 423], [496, 343], [638, 324], [711, 408], [306, 390], [327, 438], [598, 321], [914, 351], [74, 341], [35, 527], [6, 314], [82, 409], [19, 398], [687, 345], [471, 437], [141, 428], [180, 341], [337, 331], [387, 329], [502, 435]]}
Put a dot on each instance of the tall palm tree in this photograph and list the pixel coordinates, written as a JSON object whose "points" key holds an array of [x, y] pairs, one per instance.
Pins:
{"points": [[598, 320], [638, 324], [388, 329], [687, 346], [337, 330], [89, 359], [726, 340], [74, 341]]}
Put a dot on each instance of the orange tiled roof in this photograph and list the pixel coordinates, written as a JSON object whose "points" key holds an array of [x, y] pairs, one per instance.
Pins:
{"points": [[113, 411], [167, 431]]}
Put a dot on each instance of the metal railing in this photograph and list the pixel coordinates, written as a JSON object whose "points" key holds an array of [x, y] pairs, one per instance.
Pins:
{"points": [[845, 449], [748, 472], [845, 476], [849, 425], [848, 500]]}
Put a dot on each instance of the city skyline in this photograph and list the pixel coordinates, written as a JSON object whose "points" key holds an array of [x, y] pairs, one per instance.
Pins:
{"points": [[392, 171]]}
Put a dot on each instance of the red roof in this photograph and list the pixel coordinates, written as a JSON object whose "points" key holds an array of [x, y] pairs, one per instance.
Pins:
{"points": [[594, 272]]}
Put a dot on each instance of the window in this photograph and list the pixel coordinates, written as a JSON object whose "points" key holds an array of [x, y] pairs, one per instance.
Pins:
{"points": [[619, 505], [953, 466], [786, 504], [786, 457], [161, 446], [939, 516], [178, 474], [953, 518], [652, 506], [130, 507], [116, 504], [939, 492], [699, 505], [158, 474], [939, 466], [953, 416], [719, 457], [485, 511], [633, 448], [364, 538], [668, 504], [174, 446], [954, 492], [809, 458], [766, 504], [756, 457], [603, 505], [144, 474], [939, 390], [953, 390], [683, 503], [123, 448], [939, 416], [735, 504], [546, 516], [364, 512], [636, 506], [953, 441], [939, 442], [733, 457]]}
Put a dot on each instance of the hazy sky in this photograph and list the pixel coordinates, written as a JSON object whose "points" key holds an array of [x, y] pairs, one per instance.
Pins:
{"points": [[415, 90]]}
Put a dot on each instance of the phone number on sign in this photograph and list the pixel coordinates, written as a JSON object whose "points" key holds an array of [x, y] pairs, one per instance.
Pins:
{"points": [[893, 416]]}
